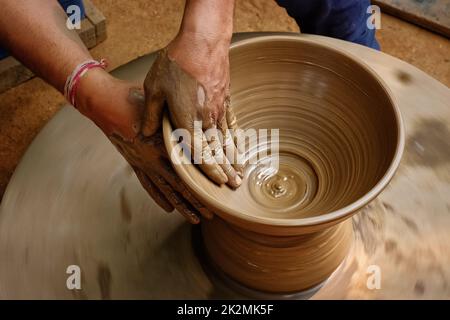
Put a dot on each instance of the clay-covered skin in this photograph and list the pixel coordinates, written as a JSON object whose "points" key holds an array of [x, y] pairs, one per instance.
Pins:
{"points": [[168, 86], [189, 100], [148, 158], [119, 113]]}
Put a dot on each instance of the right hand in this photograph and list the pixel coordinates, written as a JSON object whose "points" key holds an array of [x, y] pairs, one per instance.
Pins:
{"points": [[192, 76]]}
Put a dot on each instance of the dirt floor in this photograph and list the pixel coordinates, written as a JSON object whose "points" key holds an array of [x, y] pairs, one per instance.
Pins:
{"points": [[138, 27]]}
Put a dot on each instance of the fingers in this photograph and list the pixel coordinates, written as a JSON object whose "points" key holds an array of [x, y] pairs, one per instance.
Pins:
{"points": [[180, 198], [239, 140], [232, 153], [234, 180], [153, 191], [213, 161], [204, 158], [176, 183], [176, 199]]}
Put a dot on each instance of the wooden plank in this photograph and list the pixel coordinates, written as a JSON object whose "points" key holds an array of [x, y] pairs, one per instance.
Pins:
{"points": [[429, 14], [97, 19], [12, 73], [87, 33]]}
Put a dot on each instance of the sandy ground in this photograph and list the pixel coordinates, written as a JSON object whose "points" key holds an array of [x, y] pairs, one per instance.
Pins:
{"points": [[138, 27]]}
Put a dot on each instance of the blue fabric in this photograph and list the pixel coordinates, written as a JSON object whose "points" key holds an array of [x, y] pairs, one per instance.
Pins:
{"points": [[342, 19], [3, 53], [65, 4]]}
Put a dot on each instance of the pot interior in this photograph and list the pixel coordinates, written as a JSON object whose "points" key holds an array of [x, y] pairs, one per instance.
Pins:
{"points": [[338, 132]]}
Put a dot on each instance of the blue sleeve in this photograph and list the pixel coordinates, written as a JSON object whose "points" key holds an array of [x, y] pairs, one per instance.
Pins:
{"points": [[342, 19]]}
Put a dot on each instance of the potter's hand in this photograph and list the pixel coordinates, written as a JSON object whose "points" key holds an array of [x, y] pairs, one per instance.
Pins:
{"points": [[52, 51], [117, 108], [192, 75]]}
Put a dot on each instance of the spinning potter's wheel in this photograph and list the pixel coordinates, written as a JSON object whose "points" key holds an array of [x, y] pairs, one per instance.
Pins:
{"points": [[73, 200]]}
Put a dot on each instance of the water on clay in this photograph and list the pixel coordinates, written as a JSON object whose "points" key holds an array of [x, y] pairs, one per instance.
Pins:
{"points": [[290, 186]]}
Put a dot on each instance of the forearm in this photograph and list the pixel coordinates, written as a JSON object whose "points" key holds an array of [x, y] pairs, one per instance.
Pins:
{"points": [[35, 33], [212, 19], [204, 35]]}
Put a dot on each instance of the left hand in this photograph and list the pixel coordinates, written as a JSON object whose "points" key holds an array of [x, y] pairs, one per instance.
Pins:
{"points": [[117, 107]]}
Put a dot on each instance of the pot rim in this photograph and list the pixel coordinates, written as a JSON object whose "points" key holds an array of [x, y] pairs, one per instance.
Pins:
{"points": [[336, 216]]}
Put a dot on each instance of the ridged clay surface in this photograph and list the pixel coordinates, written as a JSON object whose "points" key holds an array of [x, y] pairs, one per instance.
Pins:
{"points": [[340, 137]]}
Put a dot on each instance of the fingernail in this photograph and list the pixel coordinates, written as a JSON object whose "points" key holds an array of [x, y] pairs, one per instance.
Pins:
{"points": [[238, 180], [224, 178]]}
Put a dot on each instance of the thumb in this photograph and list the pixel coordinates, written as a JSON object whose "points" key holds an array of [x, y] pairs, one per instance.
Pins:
{"points": [[154, 100], [153, 113]]}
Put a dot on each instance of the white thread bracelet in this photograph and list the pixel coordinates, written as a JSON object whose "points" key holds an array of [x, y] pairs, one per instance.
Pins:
{"points": [[73, 79]]}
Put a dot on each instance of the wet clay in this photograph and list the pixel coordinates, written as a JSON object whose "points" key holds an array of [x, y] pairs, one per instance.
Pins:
{"points": [[74, 200], [276, 264], [340, 134], [340, 141]]}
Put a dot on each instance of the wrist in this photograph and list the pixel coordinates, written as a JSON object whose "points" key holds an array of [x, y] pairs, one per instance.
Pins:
{"points": [[212, 34], [211, 20], [90, 87], [115, 106], [200, 43]]}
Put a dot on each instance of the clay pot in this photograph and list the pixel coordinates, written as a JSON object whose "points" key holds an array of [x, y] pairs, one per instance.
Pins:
{"points": [[340, 141]]}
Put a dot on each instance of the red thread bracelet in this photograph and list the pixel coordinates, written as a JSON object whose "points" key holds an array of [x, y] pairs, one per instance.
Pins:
{"points": [[73, 80]]}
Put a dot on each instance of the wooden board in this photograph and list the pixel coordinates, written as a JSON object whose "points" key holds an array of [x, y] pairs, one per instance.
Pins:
{"points": [[97, 18], [12, 73], [92, 32], [87, 33], [73, 200], [429, 14]]}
